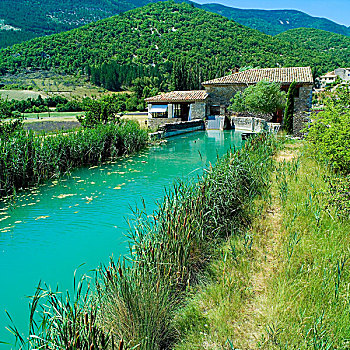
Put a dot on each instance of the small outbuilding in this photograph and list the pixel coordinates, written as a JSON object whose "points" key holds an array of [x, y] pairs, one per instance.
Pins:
{"points": [[184, 105]]}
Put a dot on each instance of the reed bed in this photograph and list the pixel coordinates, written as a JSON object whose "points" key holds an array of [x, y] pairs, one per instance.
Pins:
{"points": [[27, 159], [137, 297]]}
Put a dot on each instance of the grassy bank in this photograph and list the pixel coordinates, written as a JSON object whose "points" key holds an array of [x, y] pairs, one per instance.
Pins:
{"points": [[312, 283], [138, 297], [284, 285], [27, 159]]}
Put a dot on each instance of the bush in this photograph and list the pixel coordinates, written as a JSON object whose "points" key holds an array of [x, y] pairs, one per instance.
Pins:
{"points": [[329, 133]]}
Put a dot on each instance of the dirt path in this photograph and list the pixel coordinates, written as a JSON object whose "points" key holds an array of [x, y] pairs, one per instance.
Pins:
{"points": [[256, 325]]}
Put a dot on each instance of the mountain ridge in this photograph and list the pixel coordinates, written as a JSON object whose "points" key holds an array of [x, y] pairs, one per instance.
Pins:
{"points": [[291, 19], [37, 18]]}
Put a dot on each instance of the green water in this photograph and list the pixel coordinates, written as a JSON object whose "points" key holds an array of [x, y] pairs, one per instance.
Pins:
{"points": [[81, 219]]}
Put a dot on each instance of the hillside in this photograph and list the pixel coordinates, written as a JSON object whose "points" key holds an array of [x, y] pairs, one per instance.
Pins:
{"points": [[159, 34], [276, 21], [25, 19], [324, 44]]}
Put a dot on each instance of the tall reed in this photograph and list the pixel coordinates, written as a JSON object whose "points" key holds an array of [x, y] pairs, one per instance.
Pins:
{"points": [[26, 159]]}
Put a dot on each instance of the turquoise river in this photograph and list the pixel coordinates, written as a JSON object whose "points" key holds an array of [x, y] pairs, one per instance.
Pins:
{"points": [[50, 231]]}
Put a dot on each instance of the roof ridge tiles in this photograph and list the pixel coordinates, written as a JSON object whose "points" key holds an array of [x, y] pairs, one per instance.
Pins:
{"points": [[251, 76]]}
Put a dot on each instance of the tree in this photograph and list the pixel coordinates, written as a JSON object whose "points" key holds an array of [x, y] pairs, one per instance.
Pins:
{"points": [[264, 98], [289, 110], [237, 103], [101, 111]]}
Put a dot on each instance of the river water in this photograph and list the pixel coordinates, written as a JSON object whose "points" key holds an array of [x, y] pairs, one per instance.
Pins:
{"points": [[82, 219]]}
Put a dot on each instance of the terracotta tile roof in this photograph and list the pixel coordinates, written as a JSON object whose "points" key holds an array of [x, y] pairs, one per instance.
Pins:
{"points": [[279, 75], [179, 96], [329, 74]]}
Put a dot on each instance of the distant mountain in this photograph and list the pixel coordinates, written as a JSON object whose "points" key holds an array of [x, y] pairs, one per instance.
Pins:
{"points": [[276, 21], [158, 35], [25, 19]]}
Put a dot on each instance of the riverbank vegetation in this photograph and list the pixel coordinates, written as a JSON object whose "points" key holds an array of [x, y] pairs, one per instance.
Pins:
{"points": [[27, 159], [287, 286], [138, 297]]}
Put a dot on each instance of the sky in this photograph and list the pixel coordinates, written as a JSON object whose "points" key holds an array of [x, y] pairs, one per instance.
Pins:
{"points": [[335, 10]]}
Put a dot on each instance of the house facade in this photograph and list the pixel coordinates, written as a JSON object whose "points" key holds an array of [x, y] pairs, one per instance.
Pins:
{"points": [[330, 77], [215, 99]]}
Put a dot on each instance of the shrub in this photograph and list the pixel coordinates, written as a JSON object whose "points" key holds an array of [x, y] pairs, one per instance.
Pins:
{"points": [[329, 133]]}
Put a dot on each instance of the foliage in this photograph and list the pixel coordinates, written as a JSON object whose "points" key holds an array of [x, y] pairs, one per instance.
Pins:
{"points": [[10, 122], [38, 105], [138, 297], [339, 195], [329, 46], [156, 36], [27, 160], [263, 98], [289, 109], [313, 263], [238, 103], [73, 325], [39, 18], [329, 132], [106, 108]]}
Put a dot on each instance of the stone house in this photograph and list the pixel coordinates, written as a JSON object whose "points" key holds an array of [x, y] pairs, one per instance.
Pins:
{"points": [[215, 99], [330, 77], [176, 106]]}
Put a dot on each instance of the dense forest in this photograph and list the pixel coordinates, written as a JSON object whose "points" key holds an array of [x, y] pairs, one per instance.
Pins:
{"points": [[38, 18], [159, 35], [321, 42]]}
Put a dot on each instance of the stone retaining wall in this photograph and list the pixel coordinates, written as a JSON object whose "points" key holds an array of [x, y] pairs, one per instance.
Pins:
{"points": [[172, 129], [157, 123]]}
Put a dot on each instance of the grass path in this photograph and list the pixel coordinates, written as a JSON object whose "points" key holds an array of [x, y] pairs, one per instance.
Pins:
{"points": [[255, 326], [284, 282]]}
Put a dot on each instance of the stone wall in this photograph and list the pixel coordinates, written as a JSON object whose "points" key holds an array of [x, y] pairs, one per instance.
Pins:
{"points": [[250, 124], [156, 123], [172, 129], [302, 106], [221, 95], [198, 110]]}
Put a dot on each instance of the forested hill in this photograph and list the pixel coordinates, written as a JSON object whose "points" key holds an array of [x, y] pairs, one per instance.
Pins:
{"points": [[154, 34], [276, 21], [24, 19], [32, 18], [322, 43]]}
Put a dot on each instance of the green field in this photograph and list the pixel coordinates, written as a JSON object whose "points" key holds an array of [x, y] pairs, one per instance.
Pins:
{"points": [[56, 115]]}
